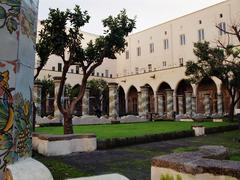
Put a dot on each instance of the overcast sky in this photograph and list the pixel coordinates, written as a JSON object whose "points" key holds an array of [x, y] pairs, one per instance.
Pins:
{"points": [[148, 12]]}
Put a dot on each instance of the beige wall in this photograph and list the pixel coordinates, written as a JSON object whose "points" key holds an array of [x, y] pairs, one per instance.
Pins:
{"points": [[189, 25]]}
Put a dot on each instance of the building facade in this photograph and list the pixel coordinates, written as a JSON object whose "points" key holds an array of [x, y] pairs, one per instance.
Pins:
{"points": [[150, 74]]}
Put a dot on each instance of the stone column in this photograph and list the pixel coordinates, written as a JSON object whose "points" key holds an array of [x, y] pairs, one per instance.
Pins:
{"points": [[207, 103], [169, 93], [220, 104], [126, 104], [18, 29], [57, 114], [144, 100], [194, 105], [113, 100], [188, 96], [180, 104], [140, 111], [160, 104], [85, 102], [37, 88]]}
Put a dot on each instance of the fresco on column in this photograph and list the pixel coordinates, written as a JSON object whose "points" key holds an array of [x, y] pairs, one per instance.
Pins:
{"points": [[18, 19]]}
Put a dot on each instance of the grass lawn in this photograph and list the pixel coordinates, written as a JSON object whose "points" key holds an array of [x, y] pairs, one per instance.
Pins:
{"points": [[130, 130]]}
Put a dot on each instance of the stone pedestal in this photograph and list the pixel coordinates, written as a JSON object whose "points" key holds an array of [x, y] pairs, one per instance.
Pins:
{"points": [[57, 114], [113, 100], [37, 88], [220, 104], [188, 96], [144, 100], [85, 102], [207, 104], [160, 104], [180, 104], [169, 93]]}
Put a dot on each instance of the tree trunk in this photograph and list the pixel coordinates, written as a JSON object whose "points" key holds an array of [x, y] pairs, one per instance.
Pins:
{"points": [[231, 113], [68, 128]]}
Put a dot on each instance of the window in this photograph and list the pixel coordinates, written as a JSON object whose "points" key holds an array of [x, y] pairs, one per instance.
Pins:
{"points": [[102, 75], [127, 54], [182, 39], [149, 67], [166, 45], [164, 63], [151, 46], [139, 51], [136, 70], [72, 71], [200, 34], [222, 28], [165, 32], [110, 75], [93, 73], [106, 73], [77, 69], [53, 68], [200, 21], [221, 15], [181, 61], [59, 67], [97, 73]]}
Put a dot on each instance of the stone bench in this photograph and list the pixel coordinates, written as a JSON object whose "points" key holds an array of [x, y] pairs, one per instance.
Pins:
{"points": [[207, 163], [55, 145]]}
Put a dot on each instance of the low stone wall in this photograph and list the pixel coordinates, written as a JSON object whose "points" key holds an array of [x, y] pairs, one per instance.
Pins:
{"points": [[54, 145], [207, 163], [88, 119]]}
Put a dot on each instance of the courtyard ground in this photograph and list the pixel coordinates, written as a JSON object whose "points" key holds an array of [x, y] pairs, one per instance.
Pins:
{"points": [[134, 161]]}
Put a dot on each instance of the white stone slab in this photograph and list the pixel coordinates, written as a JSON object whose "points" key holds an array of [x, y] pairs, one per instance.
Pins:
{"points": [[28, 169], [103, 177]]}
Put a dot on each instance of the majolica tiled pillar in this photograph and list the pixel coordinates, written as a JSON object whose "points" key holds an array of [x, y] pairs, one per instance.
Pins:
{"points": [[169, 93], [160, 104], [85, 102], [207, 104], [194, 105], [180, 104], [140, 111], [144, 100], [18, 28], [57, 114], [220, 104], [188, 96], [113, 100], [37, 88]]}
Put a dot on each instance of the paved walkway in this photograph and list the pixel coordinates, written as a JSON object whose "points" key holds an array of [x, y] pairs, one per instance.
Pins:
{"points": [[134, 161]]}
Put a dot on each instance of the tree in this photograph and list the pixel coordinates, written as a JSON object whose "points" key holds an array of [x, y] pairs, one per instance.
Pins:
{"points": [[98, 89], [61, 32], [222, 62]]}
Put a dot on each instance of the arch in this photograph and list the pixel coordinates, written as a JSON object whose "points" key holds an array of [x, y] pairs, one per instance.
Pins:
{"points": [[121, 101], [151, 98], [132, 100], [182, 87], [162, 90], [206, 87]]}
